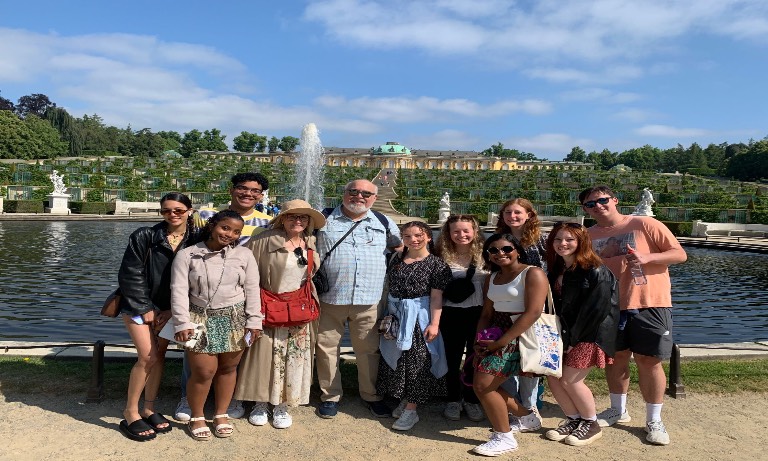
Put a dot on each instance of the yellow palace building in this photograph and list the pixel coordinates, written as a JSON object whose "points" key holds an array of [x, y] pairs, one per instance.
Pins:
{"points": [[394, 155]]}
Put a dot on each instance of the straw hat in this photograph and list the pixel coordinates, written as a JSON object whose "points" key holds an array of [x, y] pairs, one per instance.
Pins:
{"points": [[299, 206]]}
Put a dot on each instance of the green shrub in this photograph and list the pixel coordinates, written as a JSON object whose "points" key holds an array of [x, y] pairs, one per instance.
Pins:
{"points": [[679, 229], [23, 206], [92, 207]]}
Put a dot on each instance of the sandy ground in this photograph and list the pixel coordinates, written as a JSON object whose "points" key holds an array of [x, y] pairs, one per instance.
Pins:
{"points": [[702, 427]]}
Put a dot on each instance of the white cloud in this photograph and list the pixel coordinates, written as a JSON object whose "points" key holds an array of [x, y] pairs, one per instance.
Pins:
{"points": [[666, 131], [406, 110], [583, 41]]}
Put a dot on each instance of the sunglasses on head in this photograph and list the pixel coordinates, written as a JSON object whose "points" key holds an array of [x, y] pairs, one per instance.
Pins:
{"points": [[302, 261], [356, 192], [593, 203], [505, 249], [176, 211]]}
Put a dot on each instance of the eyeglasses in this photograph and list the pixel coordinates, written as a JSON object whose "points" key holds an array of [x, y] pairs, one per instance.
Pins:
{"points": [[302, 261], [297, 217], [505, 249], [593, 203], [573, 225], [176, 211], [254, 191], [356, 192]]}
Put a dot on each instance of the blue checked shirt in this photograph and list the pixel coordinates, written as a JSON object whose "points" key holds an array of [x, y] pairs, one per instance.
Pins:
{"points": [[357, 267]]}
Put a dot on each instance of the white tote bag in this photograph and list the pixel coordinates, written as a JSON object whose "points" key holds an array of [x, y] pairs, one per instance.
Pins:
{"points": [[541, 345]]}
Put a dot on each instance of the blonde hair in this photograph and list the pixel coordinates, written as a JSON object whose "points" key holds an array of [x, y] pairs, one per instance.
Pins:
{"points": [[531, 227], [446, 247]]}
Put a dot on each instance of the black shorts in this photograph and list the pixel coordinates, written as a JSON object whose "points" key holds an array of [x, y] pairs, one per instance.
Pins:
{"points": [[646, 332]]}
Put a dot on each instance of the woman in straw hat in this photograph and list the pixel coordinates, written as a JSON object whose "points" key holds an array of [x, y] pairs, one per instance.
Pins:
{"points": [[277, 368]]}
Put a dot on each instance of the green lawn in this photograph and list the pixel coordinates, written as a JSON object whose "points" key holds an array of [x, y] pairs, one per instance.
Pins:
{"points": [[40, 376]]}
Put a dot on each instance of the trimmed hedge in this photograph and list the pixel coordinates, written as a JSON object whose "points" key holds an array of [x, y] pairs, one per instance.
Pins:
{"points": [[92, 207], [23, 206]]}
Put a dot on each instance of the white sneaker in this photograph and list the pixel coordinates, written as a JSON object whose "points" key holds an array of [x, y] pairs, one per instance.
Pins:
{"points": [[498, 444], [259, 415], [474, 411], [183, 412], [406, 421], [657, 433], [235, 409], [280, 417], [397, 412], [452, 411], [611, 416], [528, 423]]}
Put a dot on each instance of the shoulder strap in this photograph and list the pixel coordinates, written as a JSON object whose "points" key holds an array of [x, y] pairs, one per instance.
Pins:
{"points": [[470, 270], [384, 222], [357, 223]]}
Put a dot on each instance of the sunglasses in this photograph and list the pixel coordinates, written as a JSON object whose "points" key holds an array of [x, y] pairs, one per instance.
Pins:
{"points": [[505, 249], [593, 203], [300, 256], [254, 191], [176, 211], [363, 193], [297, 217]]}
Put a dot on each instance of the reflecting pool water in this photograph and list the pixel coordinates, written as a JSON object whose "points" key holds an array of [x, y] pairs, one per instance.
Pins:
{"points": [[54, 277]]}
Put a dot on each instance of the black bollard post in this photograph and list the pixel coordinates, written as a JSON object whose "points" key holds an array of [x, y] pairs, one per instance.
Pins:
{"points": [[676, 389], [96, 391]]}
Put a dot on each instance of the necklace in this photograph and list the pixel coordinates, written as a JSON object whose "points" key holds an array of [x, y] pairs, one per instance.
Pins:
{"points": [[174, 239]]}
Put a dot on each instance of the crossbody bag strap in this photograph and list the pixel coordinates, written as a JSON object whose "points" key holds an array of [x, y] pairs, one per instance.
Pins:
{"points": [[471, 270], [357, 223]]}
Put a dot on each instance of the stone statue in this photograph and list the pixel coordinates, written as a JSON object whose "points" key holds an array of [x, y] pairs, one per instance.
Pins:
{"points": [[644, 207], [445, 202], [58, 182], [445, 209]]}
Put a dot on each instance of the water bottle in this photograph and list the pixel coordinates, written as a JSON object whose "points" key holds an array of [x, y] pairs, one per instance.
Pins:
{"points": [[638, 276]]}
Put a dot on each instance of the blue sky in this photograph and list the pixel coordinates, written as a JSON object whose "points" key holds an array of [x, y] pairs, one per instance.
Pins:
{"points": [[538, 76]]}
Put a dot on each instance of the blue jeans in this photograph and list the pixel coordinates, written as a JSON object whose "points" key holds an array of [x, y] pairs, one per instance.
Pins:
{"points": [[522, 388]]}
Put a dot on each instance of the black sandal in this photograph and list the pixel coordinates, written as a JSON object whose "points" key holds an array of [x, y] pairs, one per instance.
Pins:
{"points": [[155, 420], [133, 431]]}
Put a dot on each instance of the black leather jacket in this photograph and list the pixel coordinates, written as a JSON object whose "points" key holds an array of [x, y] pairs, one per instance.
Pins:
{"points": [[588, 307], [145, 272]]}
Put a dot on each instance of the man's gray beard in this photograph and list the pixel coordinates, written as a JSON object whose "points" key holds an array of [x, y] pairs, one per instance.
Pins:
{"points": [[356, 208]]}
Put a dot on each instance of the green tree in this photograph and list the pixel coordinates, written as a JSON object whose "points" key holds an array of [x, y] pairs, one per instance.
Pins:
{"points": [[213, 140], [47, 139], [249, 142], [7, 104], [577, 155], [273, 144], [171, 140], [191, 142], [68, 129], [288, 143], [34, 104]]}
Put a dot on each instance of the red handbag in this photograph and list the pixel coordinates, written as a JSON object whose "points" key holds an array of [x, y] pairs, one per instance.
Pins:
{"points": [[291, 308]]}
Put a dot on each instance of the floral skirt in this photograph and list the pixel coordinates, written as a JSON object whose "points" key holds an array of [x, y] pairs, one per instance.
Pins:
{"points": [[586, 355], [224, 328], [503, 362]]}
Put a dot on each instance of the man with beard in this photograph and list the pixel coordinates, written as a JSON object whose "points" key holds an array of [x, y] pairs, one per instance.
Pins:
{"points": [[356, 269]]}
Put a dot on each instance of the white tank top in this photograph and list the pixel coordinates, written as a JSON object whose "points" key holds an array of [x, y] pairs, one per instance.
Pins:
{"points": [[509, 297]]}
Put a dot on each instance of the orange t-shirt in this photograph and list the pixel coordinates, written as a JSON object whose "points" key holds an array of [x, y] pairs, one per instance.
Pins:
{"points": [[646, 235]]}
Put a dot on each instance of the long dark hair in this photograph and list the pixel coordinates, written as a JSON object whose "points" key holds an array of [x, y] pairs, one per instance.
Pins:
{"points": [[215, 219], [183, 199], [522, 256]]}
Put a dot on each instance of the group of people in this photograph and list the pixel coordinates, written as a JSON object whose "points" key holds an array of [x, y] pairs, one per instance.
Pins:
{"points": [[415, 310]]}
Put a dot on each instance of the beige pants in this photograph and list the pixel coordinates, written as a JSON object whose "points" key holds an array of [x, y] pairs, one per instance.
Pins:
{"points": [[364, 334]]}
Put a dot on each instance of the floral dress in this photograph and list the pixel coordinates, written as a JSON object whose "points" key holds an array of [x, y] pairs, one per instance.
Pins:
{"points": [[413, 380]]}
